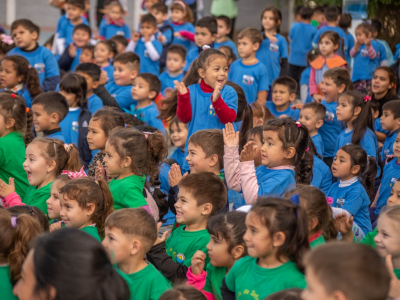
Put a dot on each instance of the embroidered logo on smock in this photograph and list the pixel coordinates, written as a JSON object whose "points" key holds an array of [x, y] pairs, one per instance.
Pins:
{"points": [[364, 52], [393, 181], [247, 79], [40, 67], [329, 116], [340, 202], [180, 258], [212, 111], [273, 47], [120, 33], [75, 126]]}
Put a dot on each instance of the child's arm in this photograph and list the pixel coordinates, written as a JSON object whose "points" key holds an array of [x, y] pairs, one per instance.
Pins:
{"points": [[196, 274], [224, 113], [313, 88], [154, 53], [371, 51], [226, 293], [231, 158], [67, 58], [187, 35], [354, 50], [248, 174], [52, 73], [184, 109], [380, 136], [262, 97], [303, 92], [105, 96]]}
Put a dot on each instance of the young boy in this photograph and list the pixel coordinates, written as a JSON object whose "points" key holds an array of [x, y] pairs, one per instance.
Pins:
{"points": [[147, 47], [300, 38], [49, 109], [91, 73], [121, 43], [175, 63], [87, 54], [127, 243], [205, 34], [145, 89], [195, 205], [283, 94], [224, 28], [126, 68], [71, 56], [312, 116], [26, 36], [390, 121], [249, 72], [318, 17]]}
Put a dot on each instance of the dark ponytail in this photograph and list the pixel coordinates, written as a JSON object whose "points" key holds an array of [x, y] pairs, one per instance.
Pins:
{"points": [[159, 198], [28, 136], [247, 124]]}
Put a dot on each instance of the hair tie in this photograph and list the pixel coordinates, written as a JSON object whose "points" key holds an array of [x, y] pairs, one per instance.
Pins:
{"points": [[295, 199], [182, 4], [146, 134], [74, 175], [307, 149], [27, 109], [13, 95], [205, 47], [298, 124], [14, 221], [126, 125], [329, 200], [96, 182], [29, 67], [68, 147], [367, 98]]}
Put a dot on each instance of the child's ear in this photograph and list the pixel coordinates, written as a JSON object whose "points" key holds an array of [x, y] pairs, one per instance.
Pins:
{"points": [[214, 37], [207, 209], [51, 166], [292, 97], [319, 124], [312, 223], [290, 153], [237, 251], [202, 73], [134, 74], [375, 114], [96, 84], [54, 118], [357, 111], [90, 207], [135, 247], [152, 95], [278, 239], [256, 46], [10, 123], [342, 88], [355, 169], [35, 35], [127, 162]]}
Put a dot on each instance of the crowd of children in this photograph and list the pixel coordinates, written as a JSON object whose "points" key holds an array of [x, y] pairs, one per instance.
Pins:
{"points": [[173, 163]]}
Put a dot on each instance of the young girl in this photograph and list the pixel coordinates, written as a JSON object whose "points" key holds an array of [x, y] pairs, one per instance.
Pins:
{"points": [[321, 224], [329, 43], [53, 203], [45, 159], [113, 23], [179, 133], [100, 126], [104, 52], [13, 127], [17, 234], [226, 246], [383, 86], [350, 163], [17, 76], [32, 211], [181, 22], [364, 53], [261, 114], [276, 240], [284, 159], [273, 51]]}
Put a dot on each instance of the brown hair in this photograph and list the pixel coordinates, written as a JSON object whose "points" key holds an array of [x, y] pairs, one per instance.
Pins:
{"points": [[282, 215], [183, 292], [350, 268], [178, 49], [16, 241], [252, 34], [182, 6], [318, 109], [33, 211], [177, 122], [109, 118], [13, 107], [392, 79], [339, 76], [334, 38], [211, 141], [85, 191], [128, 58], [394, 107], [27, 24], [116, 3], [277, 15], [53, 102], [146, 153], [316, 206], [215, 193], [287, 81], [160, 7], [365, 28], [144, 226], [288, 294]]}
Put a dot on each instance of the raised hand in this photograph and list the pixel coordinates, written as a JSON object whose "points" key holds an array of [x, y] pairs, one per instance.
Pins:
{"points": [[198, 261], [164, 236], [180, 87], [136, 37], [217, 92], [345, 226], [7, 189], [247, 152], [72, 50], [55, 226], [231, 138], [100, 172], [394, 290], [174, 175]]}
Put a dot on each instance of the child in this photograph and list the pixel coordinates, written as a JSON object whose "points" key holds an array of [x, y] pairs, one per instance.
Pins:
{"points": [[113, 23], [318, 18], [273, 51], [49, 109], [176, 60], [376, 26], [53, 203], [17, 77], [379, 132], [321, 173], [120, 42], [26, 35], [121, 236], [329, 42], [349, 194], [146, 87], [72, 54], [229, 54], [224, 28], [85, 204], [383, 86], [12, 147], [283, 93], [280, 154], [194, 207], [91, 73], [261, 115], [275, 263], [226, 246], [364, 53], [390, 121], [87, 54], [104, 52], [312, 116], [181, 22], [300, 38], [326, 279], [248, 72], [179, 133], [305, 77], [334, 82], [183, 292], [126, 68], [205, 34], [345, 24]]}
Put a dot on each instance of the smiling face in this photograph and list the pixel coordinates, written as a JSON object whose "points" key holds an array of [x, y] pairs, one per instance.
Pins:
{"points": [[102, 54], [388, 238], [203, 36], [24, 39], [35, 165], [216, 71], [330, 91], [197, 159], [117, 244], [41, 119], [53, 203], [123, 75], [380, 83], [327, 47], [177, 15], [81, 38], [272, 152], [179, 134], [341, 166], [8, 74], [73, 215], [246, 48], [96, 137], [187, 210]]}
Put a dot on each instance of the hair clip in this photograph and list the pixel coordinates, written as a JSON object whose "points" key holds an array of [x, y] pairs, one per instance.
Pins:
{"points": [[96, 182], [367, 98], [298, 124], [68, 147], [74, 175], [6, 39], [14, 221], [295, 199], [329, 200], [13, 95], [27, 109], [308, 148], [205, 47]]}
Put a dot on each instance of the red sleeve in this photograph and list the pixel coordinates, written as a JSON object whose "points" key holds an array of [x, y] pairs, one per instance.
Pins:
{"points": [[184, 109], [187, 35], [312, 85], [224, 113]]}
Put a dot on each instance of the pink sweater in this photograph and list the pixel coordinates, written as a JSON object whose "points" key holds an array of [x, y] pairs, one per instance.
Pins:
{"points": [[198, 281], [11, 200]]}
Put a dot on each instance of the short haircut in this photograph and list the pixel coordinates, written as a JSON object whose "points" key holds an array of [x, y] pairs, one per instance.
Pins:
{"points": [[208, 22], [178, 49], [288, 294], [149, 19], [153, 81], [332, 13], [53, 102], [345, 21], [83, 27], [211, 141], [90, 48], [287, 81], [160, 7], [119, 39], [339, 76], [306, 13], [144, 227], [78, 3], [27, 24], [318, 108], [253, 34], [394, 107], [215, 193], [363, 268], [110, 118], [128, 58], [376, 25], [297, 9], [227, 21], [90, 69], [319, 10]]}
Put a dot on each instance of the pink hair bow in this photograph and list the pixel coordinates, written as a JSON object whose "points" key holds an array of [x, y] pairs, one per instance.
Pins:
{"points": [[298, 124], [329, 200], [367, 98], [6, 39], [74, 175]]}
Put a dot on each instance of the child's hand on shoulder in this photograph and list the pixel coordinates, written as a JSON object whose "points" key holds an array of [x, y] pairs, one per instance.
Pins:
{"points": [[174, 175], [247, 152], [136, 37], [317, 98], [72, 50], [198, 262], [345, 226], [180, 87], [217, 92], [164, 236], [55, 226], [231, 138], [7, 189]]}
